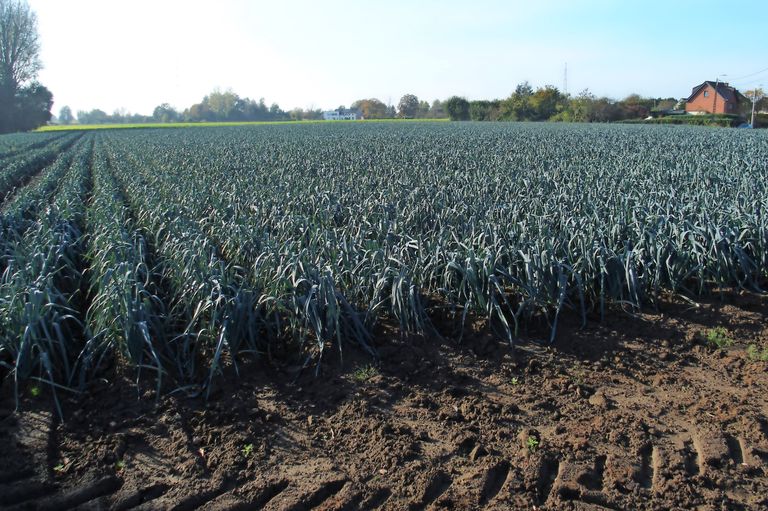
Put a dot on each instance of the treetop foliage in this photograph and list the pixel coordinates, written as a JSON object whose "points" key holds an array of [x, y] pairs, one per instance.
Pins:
{"points": [[19, 45], [24, 103]]}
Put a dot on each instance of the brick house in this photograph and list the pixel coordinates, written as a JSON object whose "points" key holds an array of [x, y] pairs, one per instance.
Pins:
{"points": [[704, 99]]}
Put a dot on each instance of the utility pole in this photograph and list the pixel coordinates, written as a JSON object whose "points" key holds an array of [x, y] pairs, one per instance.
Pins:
{"points": [[714, 101], [565, 80], [754, 100]]}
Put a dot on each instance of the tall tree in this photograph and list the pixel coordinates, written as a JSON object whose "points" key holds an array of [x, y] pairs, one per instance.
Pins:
{"points": [[408, 106], [546, 102], [19, 46], [222, 104], [95, 116], [65, 115], [483, 110], [582, 107], [457, 108], [423, 110], [32, 107], [437, 110], [165, 113], [20, 97], [517, 107], [371, 108]]}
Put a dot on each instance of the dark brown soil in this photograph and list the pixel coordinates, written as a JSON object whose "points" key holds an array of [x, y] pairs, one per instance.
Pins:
{"points": [[638, 412]]}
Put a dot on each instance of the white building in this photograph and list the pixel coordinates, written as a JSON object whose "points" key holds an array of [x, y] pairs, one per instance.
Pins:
{"points": [[342, 114]]}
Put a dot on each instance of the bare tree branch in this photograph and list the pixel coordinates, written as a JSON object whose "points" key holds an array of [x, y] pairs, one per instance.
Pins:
{"points": [[19, 44]]}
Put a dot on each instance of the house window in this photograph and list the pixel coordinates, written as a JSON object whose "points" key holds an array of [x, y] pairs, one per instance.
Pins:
{"points": [[706, 93]]}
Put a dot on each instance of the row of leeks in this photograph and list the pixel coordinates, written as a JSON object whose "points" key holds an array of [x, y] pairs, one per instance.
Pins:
{"points": [[203, 246], [41, 300], [505, 221]]}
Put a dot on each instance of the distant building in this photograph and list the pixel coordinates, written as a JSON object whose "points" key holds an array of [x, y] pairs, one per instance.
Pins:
{"points": [[342, 114], [704, 99]]}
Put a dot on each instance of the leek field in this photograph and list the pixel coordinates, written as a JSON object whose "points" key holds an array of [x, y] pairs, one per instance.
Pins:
{"points": [[174, 254]]}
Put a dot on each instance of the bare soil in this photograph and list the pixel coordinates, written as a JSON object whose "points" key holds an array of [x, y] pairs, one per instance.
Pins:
{"points": [[637, 412]]}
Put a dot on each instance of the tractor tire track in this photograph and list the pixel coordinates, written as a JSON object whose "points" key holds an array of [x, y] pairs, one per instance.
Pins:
{"points": [[548, 474], [494, 481], [135, 499]]}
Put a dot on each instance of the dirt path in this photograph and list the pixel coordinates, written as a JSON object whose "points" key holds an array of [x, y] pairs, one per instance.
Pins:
{"points": [[635, 413]]}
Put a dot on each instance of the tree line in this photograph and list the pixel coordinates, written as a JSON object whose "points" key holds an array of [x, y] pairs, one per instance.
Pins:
{"points": [[524, 104], [550, 104], [217, 106], [25, 104], [227, 106]]}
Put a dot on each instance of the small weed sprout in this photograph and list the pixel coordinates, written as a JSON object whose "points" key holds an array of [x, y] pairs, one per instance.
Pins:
{"points": [[365, 373], [120, 466], [718, 338], [247, 450], [515, 380], [755, 354], [59, 468], [35, 391], [532, 443]]}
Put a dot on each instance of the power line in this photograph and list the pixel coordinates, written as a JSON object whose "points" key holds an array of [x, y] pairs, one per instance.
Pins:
{"points": [[757, 77], [747, 83], [751, 74]]}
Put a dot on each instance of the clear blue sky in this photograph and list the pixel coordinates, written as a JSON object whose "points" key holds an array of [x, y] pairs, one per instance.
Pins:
{"points": [[306, 53]]}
